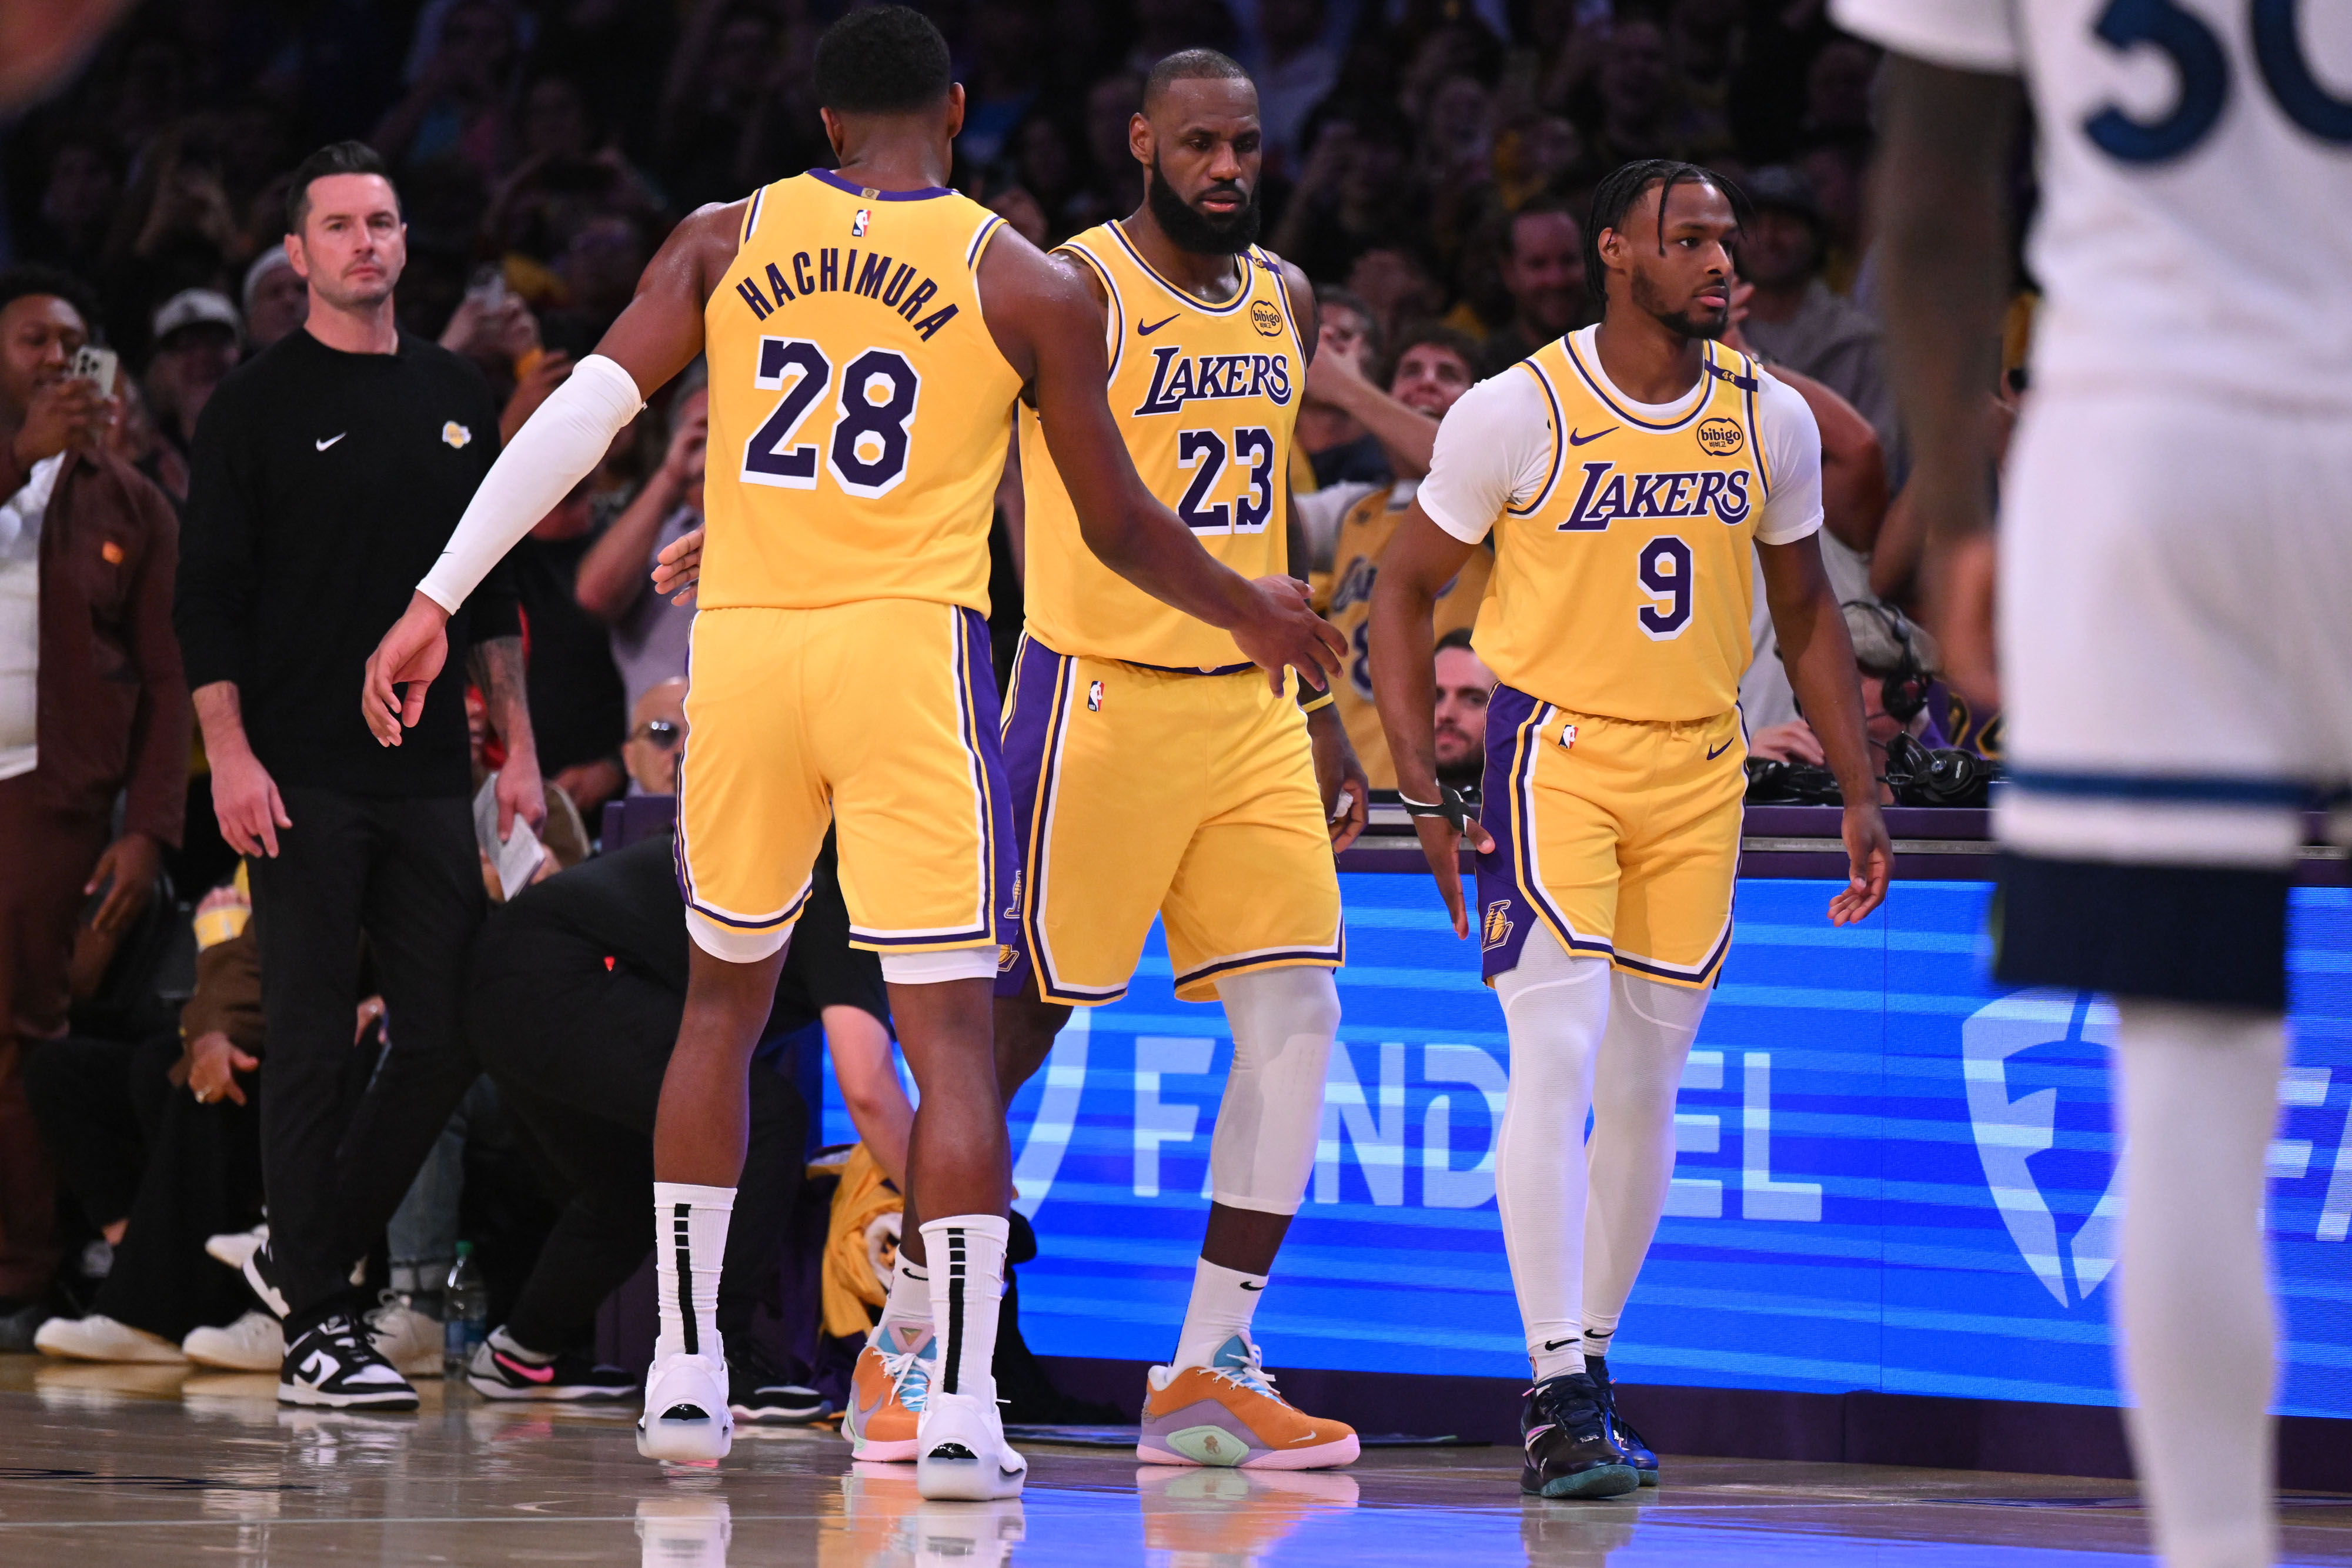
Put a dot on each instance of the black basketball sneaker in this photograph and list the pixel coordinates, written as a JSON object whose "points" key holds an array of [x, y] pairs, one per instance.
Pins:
{"points": [[1637, 1452], [1569, 1452], [758, 1395], [335, 1366]]}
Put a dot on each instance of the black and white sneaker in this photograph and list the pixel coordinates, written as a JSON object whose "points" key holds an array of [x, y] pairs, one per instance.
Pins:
{"points": [[1637, 1452], [335, 1366], [494, 1374], [260, 1271], [758, 1398], [1570, 1451]]}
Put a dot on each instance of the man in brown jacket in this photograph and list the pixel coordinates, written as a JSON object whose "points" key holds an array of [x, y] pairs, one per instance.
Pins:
{"points": [[93, 707]]}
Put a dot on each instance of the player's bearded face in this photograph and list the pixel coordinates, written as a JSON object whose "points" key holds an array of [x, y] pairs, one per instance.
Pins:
{"points": [[1694, 307], [1201, 231]]}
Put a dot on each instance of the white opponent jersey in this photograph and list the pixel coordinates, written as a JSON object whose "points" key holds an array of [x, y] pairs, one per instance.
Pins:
{"points": [[2196, 165]]}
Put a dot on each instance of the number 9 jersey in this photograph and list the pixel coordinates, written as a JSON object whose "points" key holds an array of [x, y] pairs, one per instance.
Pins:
{"points": [[1622, 575], [861, 408]]}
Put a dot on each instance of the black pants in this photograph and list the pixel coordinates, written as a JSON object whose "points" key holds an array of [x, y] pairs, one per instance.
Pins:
{"points": [[405, 872], [133, 1147], [579, 1051]]}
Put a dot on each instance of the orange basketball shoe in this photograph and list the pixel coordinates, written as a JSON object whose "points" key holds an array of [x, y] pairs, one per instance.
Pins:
{"points": [[1228, 1413], [887, 1391]]}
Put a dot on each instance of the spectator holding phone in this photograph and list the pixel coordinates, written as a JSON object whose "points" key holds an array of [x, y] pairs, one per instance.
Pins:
{"points": [[93, 705]]}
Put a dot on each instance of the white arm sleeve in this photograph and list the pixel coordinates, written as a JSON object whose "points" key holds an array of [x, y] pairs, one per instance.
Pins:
{"points": [[557, 447], [1493, 451], [1964, 35], [1791, 441]]}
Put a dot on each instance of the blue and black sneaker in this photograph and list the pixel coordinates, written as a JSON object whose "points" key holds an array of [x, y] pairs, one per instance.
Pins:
{"points": [[1569, 1450], [1637, 1452]]}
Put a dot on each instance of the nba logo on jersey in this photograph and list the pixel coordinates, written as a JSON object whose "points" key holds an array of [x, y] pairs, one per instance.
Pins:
{"points": [[1094, 696], [1566, 736], [857, 224]]}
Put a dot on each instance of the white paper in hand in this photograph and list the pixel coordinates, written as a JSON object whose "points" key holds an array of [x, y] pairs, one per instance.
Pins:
{"points": [[517, 857]]}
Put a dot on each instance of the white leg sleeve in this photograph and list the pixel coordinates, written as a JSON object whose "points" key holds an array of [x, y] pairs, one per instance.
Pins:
{"points": [[1555, 1007], [1631, 1156], [1284, 1022], [2199, 1090]]}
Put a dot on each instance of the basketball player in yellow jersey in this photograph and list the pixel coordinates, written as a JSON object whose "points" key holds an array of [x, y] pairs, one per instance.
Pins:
{"points": [[1153, 773], [1631, 471], [869, 331]]}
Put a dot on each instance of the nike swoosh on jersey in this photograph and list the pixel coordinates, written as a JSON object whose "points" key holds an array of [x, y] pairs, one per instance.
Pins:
{"points": [[1576, 440], [1718, 751], [1145, 329], [524, 1370], [323, 445]]}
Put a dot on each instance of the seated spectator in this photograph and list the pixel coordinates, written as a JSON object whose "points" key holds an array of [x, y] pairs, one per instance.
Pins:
{"points": [[197, 335], [1433, 371], [1792, 318], [1543, 270], [1464, 687], [657, 738], [649, 633], [1897, 658], [1338, 447], [277, 300], [573, 1001]]}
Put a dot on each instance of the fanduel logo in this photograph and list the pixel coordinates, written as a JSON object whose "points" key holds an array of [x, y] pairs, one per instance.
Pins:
{"points": [[2010, 1132]]}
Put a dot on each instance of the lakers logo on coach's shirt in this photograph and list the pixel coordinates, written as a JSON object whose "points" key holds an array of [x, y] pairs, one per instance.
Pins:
{"points": [[859, 409], [1206, 396]]}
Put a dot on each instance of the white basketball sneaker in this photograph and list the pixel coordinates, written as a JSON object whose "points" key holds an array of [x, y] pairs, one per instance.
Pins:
{"points": [[255, 1343], [686, 1409], [961, 1451]]}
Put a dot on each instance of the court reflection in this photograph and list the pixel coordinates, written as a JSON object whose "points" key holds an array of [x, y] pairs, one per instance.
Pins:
{"points": [[1234, 1517], [876, 1517], [683, 1531], [1558, 1534]]}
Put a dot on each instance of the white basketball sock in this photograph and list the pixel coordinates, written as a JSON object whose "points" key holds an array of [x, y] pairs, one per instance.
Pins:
{"points": [[1263, 1150], [689, 1239], [1224, 1301], [908, 1307], [965, 1255], [2199, 1093], [1555, 1007], [1630, 1160]]}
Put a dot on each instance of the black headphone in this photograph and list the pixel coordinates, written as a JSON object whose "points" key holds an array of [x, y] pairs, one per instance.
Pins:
{"points": [[1903, 692]]}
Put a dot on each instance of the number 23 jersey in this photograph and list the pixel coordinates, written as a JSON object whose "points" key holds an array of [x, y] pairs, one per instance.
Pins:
{"points": [[1623, 577]]}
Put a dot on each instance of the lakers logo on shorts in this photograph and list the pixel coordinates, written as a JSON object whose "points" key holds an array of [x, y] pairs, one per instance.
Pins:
{"points": [[1720, 438], [1013, 901], [1006, 956], [1495, 929]]}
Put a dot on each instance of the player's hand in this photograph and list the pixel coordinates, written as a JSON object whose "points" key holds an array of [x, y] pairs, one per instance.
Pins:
{"points": [[519, 791], [412, 653], [130, 864], [1870, 862], [1339, 776], [1442, 847], [679, 567], [1281, 630], [246, 804], [1960, 578]]}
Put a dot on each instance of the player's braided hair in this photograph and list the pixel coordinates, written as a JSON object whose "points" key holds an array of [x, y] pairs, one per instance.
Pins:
{"points": [[1623, 187], [882, 59]]}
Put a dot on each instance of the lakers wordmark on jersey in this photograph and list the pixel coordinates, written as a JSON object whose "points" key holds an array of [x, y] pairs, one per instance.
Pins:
{"points": [[1206, 396], [859, 410]]}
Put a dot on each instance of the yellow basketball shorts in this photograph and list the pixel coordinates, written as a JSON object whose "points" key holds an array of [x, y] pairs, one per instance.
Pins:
{"points": [[1136, 790], [872, 716], [1621, 836]]}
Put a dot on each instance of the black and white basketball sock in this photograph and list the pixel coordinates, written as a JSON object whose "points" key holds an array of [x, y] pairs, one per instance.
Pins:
{"points": [[965, 1256], [689, 1245]]}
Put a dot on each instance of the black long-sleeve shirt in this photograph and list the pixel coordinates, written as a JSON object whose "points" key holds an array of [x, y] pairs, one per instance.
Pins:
{"points": [[323, 485]]}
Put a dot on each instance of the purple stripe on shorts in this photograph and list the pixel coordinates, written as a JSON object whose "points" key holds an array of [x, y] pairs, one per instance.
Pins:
{"points": [[1032, 729], [1337, 953], [1509, 894]]}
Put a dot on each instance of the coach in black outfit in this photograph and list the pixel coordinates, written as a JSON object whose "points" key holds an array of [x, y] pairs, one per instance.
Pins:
{"points": [[326, 476]]}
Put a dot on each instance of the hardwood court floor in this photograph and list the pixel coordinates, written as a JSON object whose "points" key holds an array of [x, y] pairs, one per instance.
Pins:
{"points": [[153, 1465]]}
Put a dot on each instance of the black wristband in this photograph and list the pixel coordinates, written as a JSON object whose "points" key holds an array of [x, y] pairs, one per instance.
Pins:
{"points": [[1448, 805]]}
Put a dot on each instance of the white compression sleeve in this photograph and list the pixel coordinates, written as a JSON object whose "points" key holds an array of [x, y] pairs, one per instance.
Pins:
{"points": [[1263, 1150], [2199, 1093], [557, 447], [1630, 1159], [1555, 1008]]}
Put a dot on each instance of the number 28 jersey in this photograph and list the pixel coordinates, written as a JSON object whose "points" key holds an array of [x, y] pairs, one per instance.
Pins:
{"points": [[1623, 575], [859, 410], [1206, 396]]}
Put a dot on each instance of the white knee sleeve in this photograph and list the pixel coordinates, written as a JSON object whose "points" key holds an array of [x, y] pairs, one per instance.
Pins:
{"points": [[1630, 1158], [947, 964], [1556, 1006], [1284, 1022]]}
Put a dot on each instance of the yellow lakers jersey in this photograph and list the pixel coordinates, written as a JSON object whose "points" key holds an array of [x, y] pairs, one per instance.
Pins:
{"points": [[1206, 396], [1363, 534], [859, 410], [1623, 587]]}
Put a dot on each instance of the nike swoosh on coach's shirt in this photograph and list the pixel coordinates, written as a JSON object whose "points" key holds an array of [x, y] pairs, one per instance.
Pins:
{"points": [[1718, 751], [1145, 330], [323, 445], [1576, 440], [524, 1370]]}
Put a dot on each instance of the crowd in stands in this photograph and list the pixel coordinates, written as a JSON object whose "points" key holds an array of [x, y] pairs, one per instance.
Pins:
{"points": [[1428, 164]]}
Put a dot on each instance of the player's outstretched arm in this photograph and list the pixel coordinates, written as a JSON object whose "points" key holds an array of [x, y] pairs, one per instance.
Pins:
{"points": [[1943, 236], [1420, 560], [1051, 331], [654, 338], [1820, 659]]}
